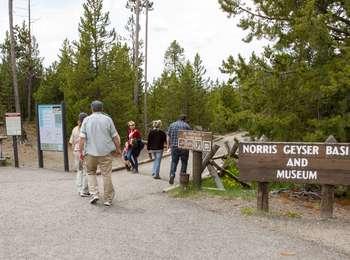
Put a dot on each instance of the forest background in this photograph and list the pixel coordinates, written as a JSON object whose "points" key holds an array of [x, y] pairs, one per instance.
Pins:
{"points": [[297, 89]]}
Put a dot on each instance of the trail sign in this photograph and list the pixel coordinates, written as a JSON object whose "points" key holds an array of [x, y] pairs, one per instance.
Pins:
{"points": [[321, 163], [13, 124], [50, 127], [195, 140]]}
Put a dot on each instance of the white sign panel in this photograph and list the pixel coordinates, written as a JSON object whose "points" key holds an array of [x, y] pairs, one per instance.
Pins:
{"points": [[13, 123], [50, 127]]}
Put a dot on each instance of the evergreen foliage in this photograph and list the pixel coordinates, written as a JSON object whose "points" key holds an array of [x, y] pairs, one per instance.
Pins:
{"points": [[298, 88], [97, 66], [23, 62]]}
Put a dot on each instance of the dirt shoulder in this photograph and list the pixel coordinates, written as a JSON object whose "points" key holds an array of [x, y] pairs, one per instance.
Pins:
{"points": [[28, 152], [294, 217]]}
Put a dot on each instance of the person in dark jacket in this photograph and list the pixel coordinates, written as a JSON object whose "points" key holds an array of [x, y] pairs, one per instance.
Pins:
{"points": [[155, 145]]}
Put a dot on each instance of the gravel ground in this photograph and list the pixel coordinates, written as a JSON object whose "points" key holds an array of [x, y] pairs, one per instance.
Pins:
{"points": [[42, 217]]}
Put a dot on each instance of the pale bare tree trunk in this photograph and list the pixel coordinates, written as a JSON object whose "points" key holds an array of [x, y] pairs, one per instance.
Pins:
{"points": [[146, 81], [30, 69], [13, 59], [136, 87]]}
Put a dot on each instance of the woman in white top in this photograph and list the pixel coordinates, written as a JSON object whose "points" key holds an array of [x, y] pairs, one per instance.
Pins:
{"points": [[81, 181]]}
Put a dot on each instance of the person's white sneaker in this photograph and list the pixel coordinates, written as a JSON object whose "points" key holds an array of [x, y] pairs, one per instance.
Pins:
{"points": [[85, 194], [94, 199], [107, 204]]}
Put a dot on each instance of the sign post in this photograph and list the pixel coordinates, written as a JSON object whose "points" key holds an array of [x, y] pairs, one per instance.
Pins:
{"points": [[198, 142], [327, 164], [64, 133], [40, 152], [14, 129], [197, 169], [327, 192], [51, 131]]}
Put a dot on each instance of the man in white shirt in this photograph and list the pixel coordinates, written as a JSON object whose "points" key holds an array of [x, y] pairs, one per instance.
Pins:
{"points": [[99, 142]]}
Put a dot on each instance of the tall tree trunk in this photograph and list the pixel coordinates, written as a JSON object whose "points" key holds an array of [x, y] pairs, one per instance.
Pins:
{"points": [[146, 81], [30, 69], [13, 59], [136, 87]]}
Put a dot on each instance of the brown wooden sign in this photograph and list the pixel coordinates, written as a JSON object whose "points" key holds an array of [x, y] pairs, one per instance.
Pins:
{"points": [[321, 163], [195, 140]]}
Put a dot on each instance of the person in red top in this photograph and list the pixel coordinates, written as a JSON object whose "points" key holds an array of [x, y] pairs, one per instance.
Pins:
{"points": [[135, 146]]}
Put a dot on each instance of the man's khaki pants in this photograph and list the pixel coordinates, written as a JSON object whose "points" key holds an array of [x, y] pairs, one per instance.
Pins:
{"points": [[105, 163]]}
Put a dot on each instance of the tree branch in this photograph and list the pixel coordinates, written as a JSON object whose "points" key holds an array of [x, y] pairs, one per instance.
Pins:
{"points": [[262, 16], [342, 19], [337, 30]]}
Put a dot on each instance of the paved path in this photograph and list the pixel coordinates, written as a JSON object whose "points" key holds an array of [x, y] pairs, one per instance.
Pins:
{"points": [[41, 217]]}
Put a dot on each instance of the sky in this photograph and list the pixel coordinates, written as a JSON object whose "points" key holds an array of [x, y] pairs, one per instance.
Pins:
{"points": [[199, 26]]}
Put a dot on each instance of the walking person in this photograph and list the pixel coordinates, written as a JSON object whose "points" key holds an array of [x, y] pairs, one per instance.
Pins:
{"points": [[135, 145], [101, 140], [155, 145], [176, 152], [79, 165]]}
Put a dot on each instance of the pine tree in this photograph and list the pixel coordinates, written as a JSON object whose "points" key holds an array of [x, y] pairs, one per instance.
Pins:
{"points": [[95, 38], [24, 63], [174, 57], [290, 91]]}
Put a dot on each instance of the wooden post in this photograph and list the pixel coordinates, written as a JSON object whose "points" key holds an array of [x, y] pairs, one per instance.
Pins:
{"points": [[64, 135], [263, 196], [197, 169], [15, 150], [40, 152], [327, 192], [263, 190], [327, 201]]}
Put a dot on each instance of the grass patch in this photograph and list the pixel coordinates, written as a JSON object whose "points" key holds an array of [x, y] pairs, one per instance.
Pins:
{"points": [[184, 193], [292, 214], [248, 211], [232, 190]]}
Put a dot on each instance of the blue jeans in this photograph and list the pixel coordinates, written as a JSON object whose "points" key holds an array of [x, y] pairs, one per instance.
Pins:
{"points": [[177, 154], [156, 163], [132, 159]]}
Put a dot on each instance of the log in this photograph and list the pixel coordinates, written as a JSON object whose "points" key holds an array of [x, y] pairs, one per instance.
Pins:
{"points": [[212, 189], [209, 155], [216, 177], [222, 157], [234, 147], [227, 146], [245, 185]]}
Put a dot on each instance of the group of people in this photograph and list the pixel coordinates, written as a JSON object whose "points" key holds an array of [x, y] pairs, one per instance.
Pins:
{"points": [[95, 141]]}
